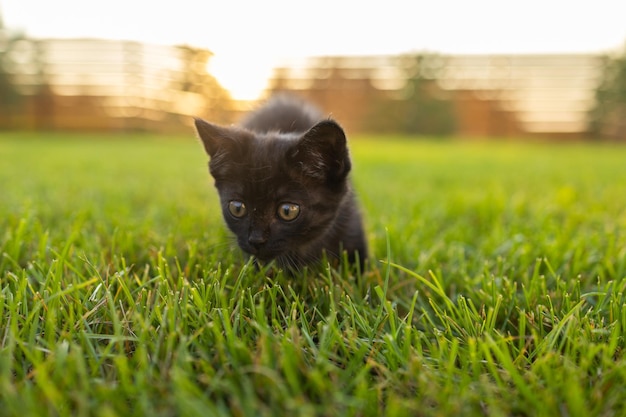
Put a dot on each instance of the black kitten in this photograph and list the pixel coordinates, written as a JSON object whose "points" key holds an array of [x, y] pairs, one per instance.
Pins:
{"points": [[282, 179]]}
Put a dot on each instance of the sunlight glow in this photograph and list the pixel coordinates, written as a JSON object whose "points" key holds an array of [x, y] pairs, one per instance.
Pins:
{"points": [[244, 76]]}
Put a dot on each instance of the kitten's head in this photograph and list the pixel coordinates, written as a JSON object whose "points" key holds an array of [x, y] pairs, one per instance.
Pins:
{"points": [[279, 192]]}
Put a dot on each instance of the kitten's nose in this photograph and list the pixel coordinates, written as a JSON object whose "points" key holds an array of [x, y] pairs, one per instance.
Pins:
{"points": [[257, 239]]}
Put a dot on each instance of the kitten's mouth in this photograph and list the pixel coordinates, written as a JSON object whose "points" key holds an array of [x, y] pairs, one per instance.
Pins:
{"points": [[262, 254], [264, 257], [266, 251]]}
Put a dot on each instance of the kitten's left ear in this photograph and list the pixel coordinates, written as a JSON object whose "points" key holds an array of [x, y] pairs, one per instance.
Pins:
{"points": [[322, 152], [214, 137]]}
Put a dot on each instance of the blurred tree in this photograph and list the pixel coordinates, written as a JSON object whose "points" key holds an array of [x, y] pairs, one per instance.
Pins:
{"points": [[421, 106], [10, 97], [194, 79], [607, 118]]}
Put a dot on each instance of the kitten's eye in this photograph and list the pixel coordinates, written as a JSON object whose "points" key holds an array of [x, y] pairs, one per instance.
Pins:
{"points": [[237, 209], [288, 211]]}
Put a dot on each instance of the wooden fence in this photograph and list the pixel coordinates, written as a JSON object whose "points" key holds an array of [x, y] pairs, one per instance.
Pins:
{"points": [[92, 84]]}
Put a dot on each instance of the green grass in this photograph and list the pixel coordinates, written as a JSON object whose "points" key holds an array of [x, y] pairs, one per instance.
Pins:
{"points": [[496, 286]]}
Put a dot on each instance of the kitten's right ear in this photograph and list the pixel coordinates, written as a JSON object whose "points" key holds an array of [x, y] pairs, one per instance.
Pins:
{"points": [[214, 137]]}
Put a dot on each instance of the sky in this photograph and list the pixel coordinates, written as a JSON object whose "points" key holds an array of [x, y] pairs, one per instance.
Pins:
{"points": [[250, 37]]}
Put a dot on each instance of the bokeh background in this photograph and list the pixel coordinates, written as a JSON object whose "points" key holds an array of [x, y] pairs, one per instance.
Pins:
{"points": [[482, 69]]}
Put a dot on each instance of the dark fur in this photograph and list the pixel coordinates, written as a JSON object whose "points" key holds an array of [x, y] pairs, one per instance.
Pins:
{"points": [[286, 152]]}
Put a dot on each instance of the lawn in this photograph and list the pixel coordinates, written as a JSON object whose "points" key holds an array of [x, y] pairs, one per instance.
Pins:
{"points": [[495, 286]]}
